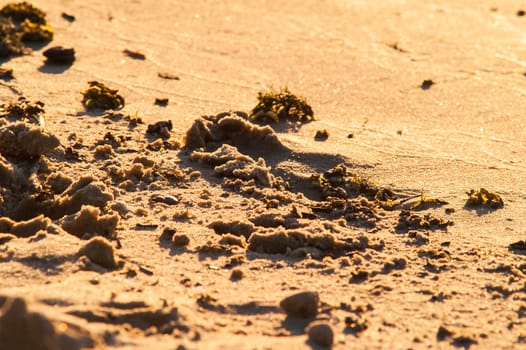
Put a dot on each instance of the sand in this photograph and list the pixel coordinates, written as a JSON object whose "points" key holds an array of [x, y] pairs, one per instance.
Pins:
{"points": [[176, 222]]}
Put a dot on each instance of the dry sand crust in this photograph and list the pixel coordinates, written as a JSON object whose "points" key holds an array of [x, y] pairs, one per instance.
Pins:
{"points": [[183, 225]]}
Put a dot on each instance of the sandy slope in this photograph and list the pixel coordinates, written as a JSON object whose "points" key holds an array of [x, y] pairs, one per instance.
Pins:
{"points": [[360, 64]]}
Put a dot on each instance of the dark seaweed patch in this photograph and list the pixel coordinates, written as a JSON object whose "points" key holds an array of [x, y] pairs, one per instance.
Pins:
{"points": [[6, 74], [426, 84], [99, 96], [10, 39], [275, 106], [160, 129], [136, 55], [163, 102], [68, 17], [21, 11], [321, 135], [60, 55], [23, 110], [484, 198]]}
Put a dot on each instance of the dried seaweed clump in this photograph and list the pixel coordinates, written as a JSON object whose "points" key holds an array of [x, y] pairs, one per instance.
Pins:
{"points": [[23, 110], [19, 23], [274, 106], [484, 198], [21, 11], [339, 182], [408, 220], [10, 39], [99, 96]]}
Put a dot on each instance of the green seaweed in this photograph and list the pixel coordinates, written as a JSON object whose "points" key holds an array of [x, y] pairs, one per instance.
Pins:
{"points": [[36, 32], [99, 96], [274, 106], [21, 23], [425, 203], [21, 11], [484, 198]]}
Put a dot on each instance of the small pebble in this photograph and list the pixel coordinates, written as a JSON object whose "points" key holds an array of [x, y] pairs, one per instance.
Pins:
{"points": [[304, 304], [321, 333], [181, 240], [170, 200]]}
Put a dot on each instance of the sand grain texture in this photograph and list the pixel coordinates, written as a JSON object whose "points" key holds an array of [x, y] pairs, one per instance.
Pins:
{"points": [[185, 226]]}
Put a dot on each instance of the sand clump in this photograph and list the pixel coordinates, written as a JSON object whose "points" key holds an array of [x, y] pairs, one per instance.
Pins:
{"points": [[85, 191], [21, 140], [268, 220], [101, 252], [89, 222], [21, 329], [408, 220], [231, 128], [24, 228], [303, 304], [160, 129], [234, 240], [287, 241], [236, 227], [58, 182], [229, 162]]}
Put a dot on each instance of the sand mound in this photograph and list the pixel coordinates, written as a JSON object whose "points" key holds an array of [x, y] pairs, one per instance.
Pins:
{"points": [[229, 162], [285, 241], [85, 191], [231, 128], [21, 329], [21, 140]]}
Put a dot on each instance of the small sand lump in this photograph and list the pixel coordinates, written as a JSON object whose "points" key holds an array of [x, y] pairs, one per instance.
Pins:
{"points": [[100, 251], [21, 140], [21, 329], [89, 221], [321, 333], [303, 304]]}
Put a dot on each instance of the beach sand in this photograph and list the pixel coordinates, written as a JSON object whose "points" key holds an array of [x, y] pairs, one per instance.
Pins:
{"points": [[194, 235]]}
